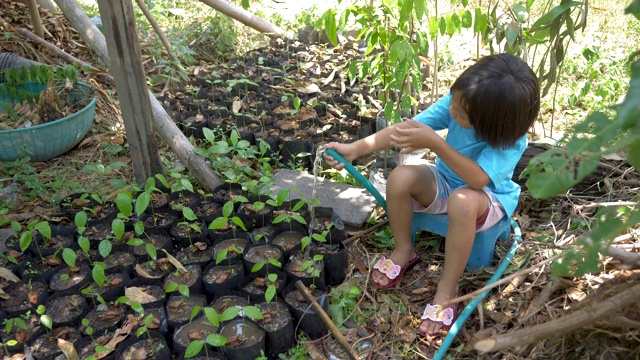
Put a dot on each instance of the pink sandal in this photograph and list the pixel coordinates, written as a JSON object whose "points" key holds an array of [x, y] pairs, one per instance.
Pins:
{"points": [[438, 314], [393, 271]]}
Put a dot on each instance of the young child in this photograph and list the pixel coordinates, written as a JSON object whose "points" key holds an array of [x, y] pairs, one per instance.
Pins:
{"points": [[487, 113]]}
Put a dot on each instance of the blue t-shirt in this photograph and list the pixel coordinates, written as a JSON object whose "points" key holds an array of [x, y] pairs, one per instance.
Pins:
{"points": [[499, 164]]}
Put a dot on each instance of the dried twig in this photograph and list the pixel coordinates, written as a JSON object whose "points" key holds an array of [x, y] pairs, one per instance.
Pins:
{"points": [[562, 325], [500, 282], [158, 30]]}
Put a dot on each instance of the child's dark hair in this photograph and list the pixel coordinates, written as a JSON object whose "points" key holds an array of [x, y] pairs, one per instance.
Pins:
{"points": [[501, 96]]}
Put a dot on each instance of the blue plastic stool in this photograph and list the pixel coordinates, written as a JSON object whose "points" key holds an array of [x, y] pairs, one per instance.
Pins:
{"points": [[483, 244]]}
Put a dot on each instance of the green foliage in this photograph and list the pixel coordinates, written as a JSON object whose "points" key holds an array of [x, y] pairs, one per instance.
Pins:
{"points": [[515, 31], [16, 79], [557, 170], [391, 60], [343, 302]]}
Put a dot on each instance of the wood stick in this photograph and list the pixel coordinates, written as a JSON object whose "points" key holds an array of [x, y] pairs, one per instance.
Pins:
{"points": [[245, 17], [562, 325], [362, 233], [35, 18], [158, 30], [504, 280], [327, 320], [54, 49], [86, 28]]}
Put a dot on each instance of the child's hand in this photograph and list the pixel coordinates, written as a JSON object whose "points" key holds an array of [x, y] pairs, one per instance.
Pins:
{"points": [[413, 136], [346, 150]]}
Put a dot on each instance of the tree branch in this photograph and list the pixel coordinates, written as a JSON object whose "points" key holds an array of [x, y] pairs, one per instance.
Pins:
{"points": [[562, 325]]}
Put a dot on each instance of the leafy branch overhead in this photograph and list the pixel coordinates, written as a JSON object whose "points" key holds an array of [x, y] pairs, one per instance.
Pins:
{"points": [[555, 171]]}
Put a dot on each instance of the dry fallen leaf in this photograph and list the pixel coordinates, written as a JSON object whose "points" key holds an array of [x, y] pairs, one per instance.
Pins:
{"points": [[313, 351], [143, 273], [135, 294], [7, 274], [68, 349], [119, 336], [175, 262]]}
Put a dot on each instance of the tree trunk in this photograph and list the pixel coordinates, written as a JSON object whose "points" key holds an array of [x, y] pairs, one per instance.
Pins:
{"points": [[128, 73], [245, 17]]}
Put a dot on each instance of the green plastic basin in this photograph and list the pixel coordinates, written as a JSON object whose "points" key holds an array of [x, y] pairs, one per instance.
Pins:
{"points": [[46, 141]]}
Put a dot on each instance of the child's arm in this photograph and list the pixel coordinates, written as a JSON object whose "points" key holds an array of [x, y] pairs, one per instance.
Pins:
{"points": [[377, 141], [418, 136]]}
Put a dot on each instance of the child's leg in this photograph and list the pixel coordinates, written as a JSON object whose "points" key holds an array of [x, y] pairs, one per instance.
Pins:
{"points": [[406, 183], [465, 206]]}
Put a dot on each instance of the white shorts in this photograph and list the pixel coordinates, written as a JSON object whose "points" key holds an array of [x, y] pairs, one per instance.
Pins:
{"points": [[439, 205]]}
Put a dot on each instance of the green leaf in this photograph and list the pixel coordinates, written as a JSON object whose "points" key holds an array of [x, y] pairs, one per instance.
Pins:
{"points": [[216, 340], [481, 22], [330, 26], [104, 248], [69, 257], [98, 273], [194, 313], [275, 263], [188, 214], [405, 13], [280, 218], [209, 135], [138, 227], [84, 244], [148, 320], [252, 312], [550, 16], [135, 242], [236, 220], [44, 229], [229, 313], [151, 250], [46, 321], [521, 12], [124, 203], [270, 293], [142, 203], [218, 223], [193, 348], [171, 287], [227, 209], [299, 219], [455, 23], [467, 19], [80, 219], [25, 241], [117, 227], [257, 266], [400, 50], [221, 256], [212, 316], [633, 8], [420, 7], [282, 196], [629, 111], [512, 32], [442, 24]]}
